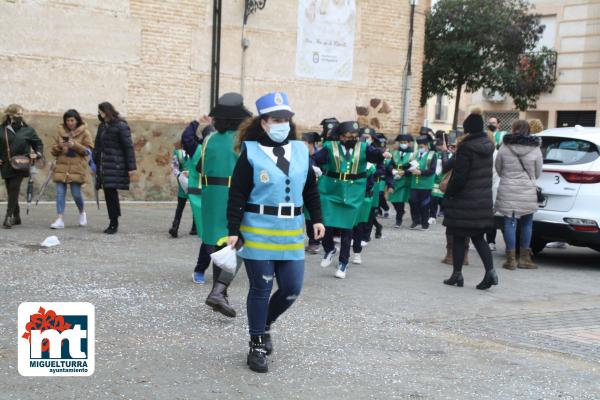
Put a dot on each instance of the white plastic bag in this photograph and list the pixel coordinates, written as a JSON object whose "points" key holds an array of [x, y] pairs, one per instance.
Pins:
{"points": [[183, 181], [225, 259], [414, 165], [50, 241]]}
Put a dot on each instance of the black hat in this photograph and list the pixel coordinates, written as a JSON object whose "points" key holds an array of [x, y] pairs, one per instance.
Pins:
{"points": [[329, 125], [311, 137], [423, 139], [404, 138], [380, 140], [230, 106], [474, 122], [366, 131], [425, 130], [347, 126]]}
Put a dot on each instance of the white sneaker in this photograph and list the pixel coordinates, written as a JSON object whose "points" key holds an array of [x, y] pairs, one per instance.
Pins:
{"points": [[357, 259], [432, 221], [328, 258], [82, 219], [341, 271], [492, 246], [58, 224], [337, 239], [363, 243]]}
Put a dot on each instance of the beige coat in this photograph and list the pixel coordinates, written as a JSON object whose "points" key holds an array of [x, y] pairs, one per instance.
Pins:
{"points": [[517, 190], [71, 166]]}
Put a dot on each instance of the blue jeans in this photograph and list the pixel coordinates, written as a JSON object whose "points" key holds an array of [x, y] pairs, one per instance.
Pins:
{"points": [[61, 193], [510, 231], [262, 311]]}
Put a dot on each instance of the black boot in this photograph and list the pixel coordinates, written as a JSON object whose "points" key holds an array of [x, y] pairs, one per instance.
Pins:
{"points": [[174, 228], [113, 227], [378, 232], [193, 231], [490, 278], [217, 299], [455, 279], [17, 216], [257, 357], [7, 222], [268, 343]]}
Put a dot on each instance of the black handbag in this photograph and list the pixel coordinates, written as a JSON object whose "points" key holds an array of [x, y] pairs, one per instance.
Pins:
{"points": [[18, 163], [538, 190]]}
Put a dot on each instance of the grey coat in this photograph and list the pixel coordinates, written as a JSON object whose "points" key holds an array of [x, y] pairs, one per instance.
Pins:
{"points": [[517, 190]]}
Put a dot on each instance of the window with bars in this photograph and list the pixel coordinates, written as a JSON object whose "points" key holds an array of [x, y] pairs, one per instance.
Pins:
{"points": [[505, 118]]}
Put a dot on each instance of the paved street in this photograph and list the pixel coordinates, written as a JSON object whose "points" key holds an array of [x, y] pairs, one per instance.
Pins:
{"points": [[391, 330]]}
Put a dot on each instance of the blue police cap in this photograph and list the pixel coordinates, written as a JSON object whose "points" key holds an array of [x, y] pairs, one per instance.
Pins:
{"points": [[274, 104]]}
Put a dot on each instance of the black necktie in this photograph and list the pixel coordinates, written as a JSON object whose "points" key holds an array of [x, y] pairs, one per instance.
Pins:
{"points": [[281, 163]]}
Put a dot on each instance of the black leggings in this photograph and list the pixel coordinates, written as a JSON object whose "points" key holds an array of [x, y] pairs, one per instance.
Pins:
{"points": [[399, 207], [180, 207], [13, 187], [458, 252], [113, 206], [372, 222], [383, 204]]}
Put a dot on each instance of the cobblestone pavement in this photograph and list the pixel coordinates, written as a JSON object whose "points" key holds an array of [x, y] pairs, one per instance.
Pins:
{"points": [[390, 330]]}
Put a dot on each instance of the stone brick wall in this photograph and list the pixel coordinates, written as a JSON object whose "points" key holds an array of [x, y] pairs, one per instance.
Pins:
{"points": [[151, 58]]}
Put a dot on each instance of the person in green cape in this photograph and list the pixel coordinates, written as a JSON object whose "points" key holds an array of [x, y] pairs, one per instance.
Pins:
{"points": [[342, 187], [402, 155], [422, 171], [381, 175], [311, 140], [441, 151], [383, 209], [180, 165], [215, 166], [360, 229]]}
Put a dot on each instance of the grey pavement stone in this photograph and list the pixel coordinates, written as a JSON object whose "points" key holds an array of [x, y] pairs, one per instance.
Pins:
{"points": [[391, 330]]}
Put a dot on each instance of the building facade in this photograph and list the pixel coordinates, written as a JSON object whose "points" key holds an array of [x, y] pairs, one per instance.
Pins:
{"points": [[152, 60], [573, 31]]}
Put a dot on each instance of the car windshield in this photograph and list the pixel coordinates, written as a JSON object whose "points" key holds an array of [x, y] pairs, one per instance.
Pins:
{"points": [[567, 151]]}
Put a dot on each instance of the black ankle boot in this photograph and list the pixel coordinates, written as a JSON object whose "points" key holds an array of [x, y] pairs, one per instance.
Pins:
{"points": [[490, 278], [217, 299], [16, 217], [7, 222], [174, 228], [113, 227], [268, 343], [257, 357], [193, 231], [455, 279]]}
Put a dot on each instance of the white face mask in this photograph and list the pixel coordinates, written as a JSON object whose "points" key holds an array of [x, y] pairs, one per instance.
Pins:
{"points": [[403, 146], [279, 132]]}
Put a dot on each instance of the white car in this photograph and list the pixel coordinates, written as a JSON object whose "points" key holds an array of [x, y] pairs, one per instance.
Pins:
{"points": [[570, 183]]}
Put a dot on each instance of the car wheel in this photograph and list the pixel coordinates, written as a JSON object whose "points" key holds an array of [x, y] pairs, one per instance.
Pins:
{"points": [[537, 245]]}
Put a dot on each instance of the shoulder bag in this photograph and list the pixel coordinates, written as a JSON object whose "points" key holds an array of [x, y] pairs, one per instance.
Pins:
{"points": [[18, 163]]}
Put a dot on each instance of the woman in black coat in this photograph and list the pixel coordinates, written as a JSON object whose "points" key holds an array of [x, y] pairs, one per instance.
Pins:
{"points": [[468, 203], [115, 160], [16, 139]]}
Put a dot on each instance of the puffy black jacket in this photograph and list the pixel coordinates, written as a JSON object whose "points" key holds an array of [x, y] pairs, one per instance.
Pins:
{"points": [[468, 202], [114, 155]]}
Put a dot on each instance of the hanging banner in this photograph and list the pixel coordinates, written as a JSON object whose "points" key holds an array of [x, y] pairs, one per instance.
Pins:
{"points": [[325, 42]]}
